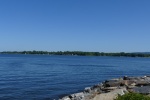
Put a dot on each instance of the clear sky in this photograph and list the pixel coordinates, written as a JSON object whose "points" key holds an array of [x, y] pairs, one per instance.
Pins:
{"points": [[75, 25]]}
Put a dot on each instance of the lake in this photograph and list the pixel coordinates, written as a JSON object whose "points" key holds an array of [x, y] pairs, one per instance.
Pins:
{"points": [[45, 77]]}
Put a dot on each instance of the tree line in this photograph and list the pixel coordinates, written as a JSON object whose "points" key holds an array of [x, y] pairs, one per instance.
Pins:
{"points": [[78, 53]]}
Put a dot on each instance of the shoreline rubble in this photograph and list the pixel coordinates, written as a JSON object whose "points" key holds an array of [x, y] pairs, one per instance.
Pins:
{"points": [[110, 89]]}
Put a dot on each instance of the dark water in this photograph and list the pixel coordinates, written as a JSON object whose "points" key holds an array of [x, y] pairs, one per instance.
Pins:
{"points": [[43, 77]]}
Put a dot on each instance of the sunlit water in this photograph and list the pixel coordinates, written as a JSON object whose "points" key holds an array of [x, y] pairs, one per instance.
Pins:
{"points": [[44, 77]]}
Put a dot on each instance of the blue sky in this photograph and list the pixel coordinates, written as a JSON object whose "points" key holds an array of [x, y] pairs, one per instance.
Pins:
{"points": [[75, 25]]}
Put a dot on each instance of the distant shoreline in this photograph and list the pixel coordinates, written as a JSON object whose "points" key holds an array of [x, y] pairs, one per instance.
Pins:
{"points": [[81, 53]]}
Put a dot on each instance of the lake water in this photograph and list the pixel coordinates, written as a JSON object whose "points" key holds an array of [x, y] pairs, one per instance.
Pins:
{"points": [[44, 77]]}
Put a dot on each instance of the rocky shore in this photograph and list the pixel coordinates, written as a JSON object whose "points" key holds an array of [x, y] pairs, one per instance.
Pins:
{"points": [[110, 89]]}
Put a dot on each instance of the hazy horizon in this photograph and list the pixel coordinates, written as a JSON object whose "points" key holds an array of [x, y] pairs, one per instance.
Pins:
{"points": [[78, 50]]}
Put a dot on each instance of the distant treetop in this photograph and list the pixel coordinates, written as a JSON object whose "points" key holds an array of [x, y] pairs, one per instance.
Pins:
{"points": [[79, 53]]}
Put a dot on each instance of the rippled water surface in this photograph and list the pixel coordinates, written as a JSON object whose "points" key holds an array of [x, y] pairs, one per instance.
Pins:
{"points": [[44, 77]]}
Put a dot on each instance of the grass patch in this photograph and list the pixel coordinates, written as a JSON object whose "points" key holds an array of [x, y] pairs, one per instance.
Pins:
{"points": [[133, 96]]}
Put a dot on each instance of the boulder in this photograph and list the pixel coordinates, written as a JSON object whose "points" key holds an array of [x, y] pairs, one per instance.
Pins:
{"points": [[112, 83], [65, 98], [109, 88], [110, 95], [128, 82], [142, 90], [87, 89], [141, 83]]}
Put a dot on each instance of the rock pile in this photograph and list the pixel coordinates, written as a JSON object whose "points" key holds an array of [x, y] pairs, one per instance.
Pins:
{"points": [[110, 89]]}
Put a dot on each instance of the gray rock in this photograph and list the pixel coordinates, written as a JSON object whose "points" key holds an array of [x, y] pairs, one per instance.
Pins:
{"points": [[111, 88], [110, 95], [65, 98], [128, 82], [141, 83], [147, 79], [113, 83], [87, 89], [142, 90], [125, 78], [131, 78], [79, 94]]}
